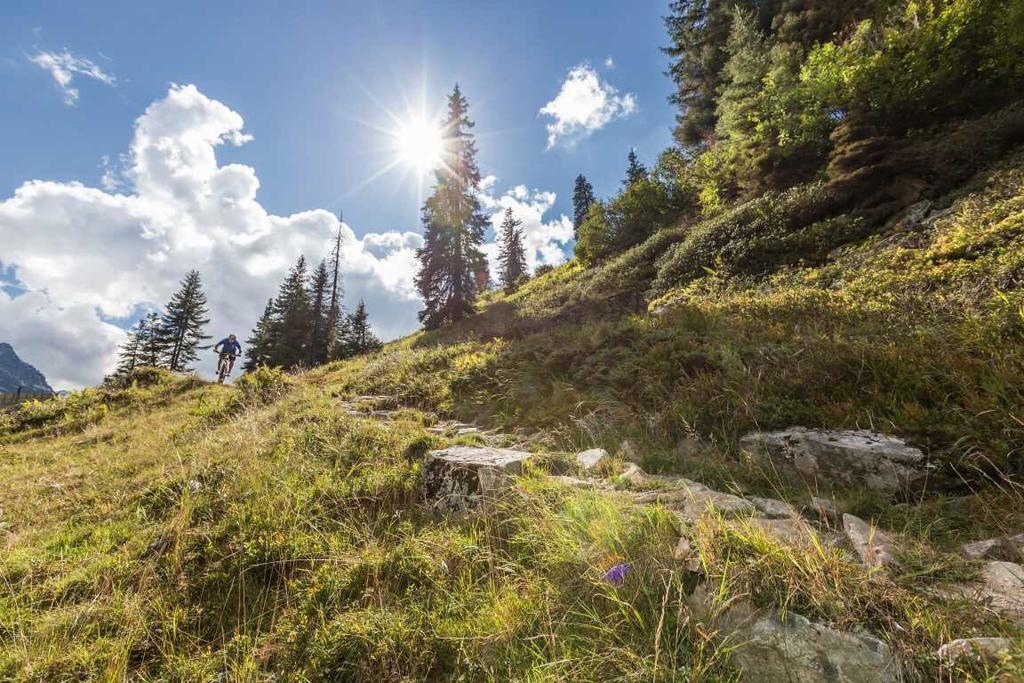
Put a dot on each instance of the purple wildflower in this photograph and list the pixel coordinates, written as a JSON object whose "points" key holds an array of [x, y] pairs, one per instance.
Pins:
{"points": [[617, 574]]}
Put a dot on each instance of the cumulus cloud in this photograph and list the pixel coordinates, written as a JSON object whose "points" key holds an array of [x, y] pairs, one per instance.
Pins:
{"points": [[84, 256], [64, 66], [544, 241], [584, 104]]}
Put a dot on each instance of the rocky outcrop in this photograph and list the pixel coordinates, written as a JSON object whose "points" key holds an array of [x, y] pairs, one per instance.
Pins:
{"points": [[16, 374], [1008, 548], [461, 478], [976, 649], [773, 509], [593, 459], [692, 499], [845, 459], [768, 648], [1003, 590], [872, 545]]}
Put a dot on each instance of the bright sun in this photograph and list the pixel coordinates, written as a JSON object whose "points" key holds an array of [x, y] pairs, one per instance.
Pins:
{"points": [[419, 145]]}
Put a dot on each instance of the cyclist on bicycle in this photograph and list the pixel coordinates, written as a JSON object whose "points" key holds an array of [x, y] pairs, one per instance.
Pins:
{"points": [[230, 349]]}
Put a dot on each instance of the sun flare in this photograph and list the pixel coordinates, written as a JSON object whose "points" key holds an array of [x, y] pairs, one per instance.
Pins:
{"points": [[419, 144]]}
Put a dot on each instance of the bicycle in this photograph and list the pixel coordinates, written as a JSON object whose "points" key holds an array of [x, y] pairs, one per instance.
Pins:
{"points": [[224, 366]]}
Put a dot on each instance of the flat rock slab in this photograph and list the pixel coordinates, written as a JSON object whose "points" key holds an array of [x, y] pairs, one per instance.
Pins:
{"points": [[769, 649], [461, 478], [1008, 548], [773, 508], [847, 458], [1004, 589], [693, 499], [977, 649], [792, 530], [872, 545]]}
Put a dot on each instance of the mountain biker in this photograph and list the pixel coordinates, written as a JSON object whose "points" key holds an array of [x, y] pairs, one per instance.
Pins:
{"points": [[229, 347]]}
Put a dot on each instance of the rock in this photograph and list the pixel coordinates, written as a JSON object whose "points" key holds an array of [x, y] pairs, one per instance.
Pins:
{"points": [[463, 431], [873, 546], [772, 508], [460, 478], [824, 510], [576, 482], [766, 648], [978, 649], [790, 529], [634, 475], [592, 459], [1008, 548], [436, 430], [693, 499], [849, 458], [1003, 589], [628, 451]]}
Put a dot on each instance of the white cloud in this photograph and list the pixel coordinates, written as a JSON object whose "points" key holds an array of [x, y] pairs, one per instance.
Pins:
{"points": [[544, 241], [585, 103], [64, 66], [82, 256], [85, 254], [609, 63]]}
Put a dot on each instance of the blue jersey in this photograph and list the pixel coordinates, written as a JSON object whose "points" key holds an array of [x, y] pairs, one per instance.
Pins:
{"points": [[228, 346]]}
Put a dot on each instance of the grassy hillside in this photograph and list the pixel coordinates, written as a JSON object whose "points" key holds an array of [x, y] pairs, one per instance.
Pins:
{"points": [[169, 529]]}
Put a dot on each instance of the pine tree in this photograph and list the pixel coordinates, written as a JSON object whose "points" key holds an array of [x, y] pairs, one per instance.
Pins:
{"points": [[450, 259], [291, 320], [360, 337], [334, 314], [582, 198], [636, 171], [152, 341], [320, 326], [182, 323], [129, 352], [511, 255], [698, 31], [258, 346]]}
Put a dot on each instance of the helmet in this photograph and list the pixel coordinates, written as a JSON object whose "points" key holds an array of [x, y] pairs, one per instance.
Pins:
{"points": [[231, 337]]}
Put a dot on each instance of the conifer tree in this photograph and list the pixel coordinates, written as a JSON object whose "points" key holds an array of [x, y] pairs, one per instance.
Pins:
{"points": [[152, 341], [182, 323], [635, 171], [320, 325], [258, 346], [450, 259], [334, 314], [291, 317], [360, 337], [511, 255], [582, 198], [129, 352]]}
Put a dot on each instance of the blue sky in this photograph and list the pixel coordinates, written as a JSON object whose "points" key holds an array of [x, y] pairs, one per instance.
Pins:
{"points": [[315, 84]]}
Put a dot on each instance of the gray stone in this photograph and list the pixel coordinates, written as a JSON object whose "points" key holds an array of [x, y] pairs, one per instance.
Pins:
{"points": [[693, 499], [873, 546], [977, 649], [628, 451], [1009, 548], [463, 431], [848, 458], [766, 648], [824, 510], [1003, 589], [773, 508], [792, 530], [461, 478], [634, 475], [592, 459]]}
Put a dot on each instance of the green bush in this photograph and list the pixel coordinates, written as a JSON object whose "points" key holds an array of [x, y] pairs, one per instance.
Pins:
{"points": [[261, 386]]}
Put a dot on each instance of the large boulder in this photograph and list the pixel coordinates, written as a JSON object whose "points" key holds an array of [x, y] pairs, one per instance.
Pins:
{"points": [[846, 459], [767, 648], [461, 478]]}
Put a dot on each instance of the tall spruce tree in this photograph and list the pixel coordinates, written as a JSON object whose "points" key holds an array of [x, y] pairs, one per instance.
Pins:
{"points": [[511, 254], [582, 198], [259, 345], [292, 318], [320, 326], [130, 351], [450, 259], [182, 323], [698, 31], [152, 341], [635, 171], [361, 338], [335, 319]]}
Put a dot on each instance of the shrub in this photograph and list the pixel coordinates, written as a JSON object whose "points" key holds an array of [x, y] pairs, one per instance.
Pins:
{"points": [[261, 386]]}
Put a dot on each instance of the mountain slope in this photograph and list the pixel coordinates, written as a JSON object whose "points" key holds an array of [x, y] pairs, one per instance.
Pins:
{"points": [[16, 373]]}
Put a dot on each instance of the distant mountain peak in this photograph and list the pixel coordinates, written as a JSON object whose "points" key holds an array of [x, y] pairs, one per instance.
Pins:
{"points": [[16, 373]]}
